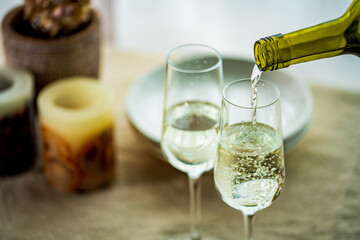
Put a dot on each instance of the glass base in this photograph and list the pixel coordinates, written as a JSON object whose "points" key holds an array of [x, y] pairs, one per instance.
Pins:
{"points": [[204, 236]]}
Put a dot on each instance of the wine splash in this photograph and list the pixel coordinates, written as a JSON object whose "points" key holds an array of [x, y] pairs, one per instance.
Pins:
{"points": [[255, 77]]}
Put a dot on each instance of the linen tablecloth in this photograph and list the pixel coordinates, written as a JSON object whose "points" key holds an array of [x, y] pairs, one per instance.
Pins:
{"points": [[148, 199]]}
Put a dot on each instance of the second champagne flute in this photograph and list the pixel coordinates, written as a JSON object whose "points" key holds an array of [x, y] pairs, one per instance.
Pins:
{"points": [[249, 171], [191, 113]]}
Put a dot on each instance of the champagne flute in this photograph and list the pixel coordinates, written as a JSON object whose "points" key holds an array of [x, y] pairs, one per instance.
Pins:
{"points": [[191, 115], [249, 171]]}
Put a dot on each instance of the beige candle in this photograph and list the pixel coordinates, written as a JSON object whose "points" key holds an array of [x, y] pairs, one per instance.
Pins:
{"points": [[76, 118]]}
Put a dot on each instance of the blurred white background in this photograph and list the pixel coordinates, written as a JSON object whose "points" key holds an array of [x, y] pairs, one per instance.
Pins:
{"points": [[231, 26]]}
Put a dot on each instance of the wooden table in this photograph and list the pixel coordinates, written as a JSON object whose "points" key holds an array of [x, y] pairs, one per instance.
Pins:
{"points": [[149, 199]]}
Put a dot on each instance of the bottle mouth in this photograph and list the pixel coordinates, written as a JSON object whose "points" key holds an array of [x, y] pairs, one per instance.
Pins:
{"points": [[259, 54], [267, 53]]}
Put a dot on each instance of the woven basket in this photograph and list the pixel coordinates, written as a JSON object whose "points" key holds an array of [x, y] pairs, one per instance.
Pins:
{"points": [[51, 59]]}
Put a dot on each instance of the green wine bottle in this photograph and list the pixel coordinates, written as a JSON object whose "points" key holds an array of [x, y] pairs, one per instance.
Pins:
{"points": [[329, 39]]}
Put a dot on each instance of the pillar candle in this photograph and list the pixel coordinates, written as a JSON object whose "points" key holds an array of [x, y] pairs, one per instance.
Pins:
{"points": [[77, 123], [17, 133]]}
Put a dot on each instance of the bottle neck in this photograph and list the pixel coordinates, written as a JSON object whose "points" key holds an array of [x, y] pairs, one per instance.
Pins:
{"points": [[325, 40]]}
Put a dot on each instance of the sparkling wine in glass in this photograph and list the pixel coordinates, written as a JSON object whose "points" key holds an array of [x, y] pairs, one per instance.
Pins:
{"points": [[249, 171], [191, 118]]}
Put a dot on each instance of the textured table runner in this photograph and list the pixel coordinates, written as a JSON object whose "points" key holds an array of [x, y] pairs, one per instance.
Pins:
{"points": [[149, 199]]}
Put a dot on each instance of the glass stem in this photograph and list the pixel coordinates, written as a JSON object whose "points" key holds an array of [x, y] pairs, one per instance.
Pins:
{"points": [[195, 206], [248, 227]]}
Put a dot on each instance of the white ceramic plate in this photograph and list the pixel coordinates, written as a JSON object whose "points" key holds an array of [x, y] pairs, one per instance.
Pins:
{"points": [[144, 102]]}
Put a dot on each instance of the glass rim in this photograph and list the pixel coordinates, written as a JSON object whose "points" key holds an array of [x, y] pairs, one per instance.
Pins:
{"points": [[208, 69], [249, 107]]}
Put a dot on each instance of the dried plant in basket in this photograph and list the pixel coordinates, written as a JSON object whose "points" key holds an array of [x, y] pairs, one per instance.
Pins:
{"points": [[51, 18], [53, 39]]}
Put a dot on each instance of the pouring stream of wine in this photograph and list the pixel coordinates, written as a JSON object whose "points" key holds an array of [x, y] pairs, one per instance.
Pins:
{"points": [[255, 77]]}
